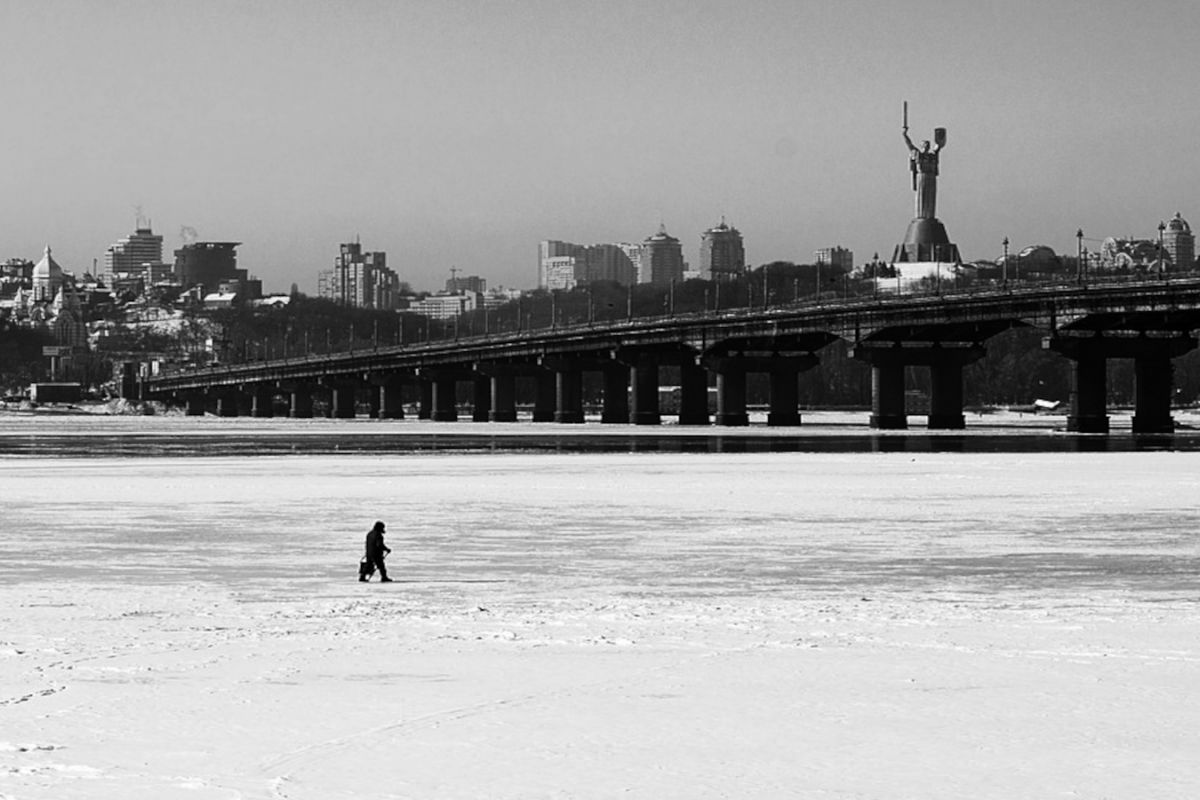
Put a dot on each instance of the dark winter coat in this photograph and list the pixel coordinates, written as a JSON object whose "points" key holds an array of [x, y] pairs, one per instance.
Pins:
{"points": [[375, 546]]}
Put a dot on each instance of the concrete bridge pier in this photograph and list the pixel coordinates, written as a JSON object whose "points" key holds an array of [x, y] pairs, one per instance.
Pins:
{"points": [[945, 361], [616, 394], [568, 389], [1088, 400], [888, 411], [481, 404], [388, 400], [644, 378], [693, 393], [424, 398], [785, 395], [946, 385], [342, 399], [444, 388], [731, 393], [1153, 383], [262, 401], [228, 402], [1153, 377], [300, 401], [545, 399], [503, 387], [784, 374], [194, 404]]}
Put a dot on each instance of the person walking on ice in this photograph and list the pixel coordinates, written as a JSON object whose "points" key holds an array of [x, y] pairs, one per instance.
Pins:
{"points": [[375, 553]]}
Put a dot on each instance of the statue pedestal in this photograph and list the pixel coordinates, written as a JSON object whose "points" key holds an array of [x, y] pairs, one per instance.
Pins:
{"points": [[926, 241]]}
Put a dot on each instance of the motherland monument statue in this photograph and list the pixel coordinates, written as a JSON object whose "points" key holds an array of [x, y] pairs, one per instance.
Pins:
{"points": [[926, 240]]}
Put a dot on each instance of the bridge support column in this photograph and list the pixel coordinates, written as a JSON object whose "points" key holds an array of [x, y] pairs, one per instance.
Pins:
{"points": [[616, 394], [731, 395], [644, 375], [1089, 390], [504, 397], [425, 402], [194, 404], [887, 396], [546, 399], [785, 395], [945, 360], [300, 402], [342, 397], [1152, 375], [445, 407], [946, 388], [389, 403], [227, 404], [693, 393], [262, 400], [569, 394], [481, 404]]}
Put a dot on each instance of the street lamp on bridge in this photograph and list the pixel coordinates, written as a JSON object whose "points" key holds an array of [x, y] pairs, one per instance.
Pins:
{"points": [[1162, 226], [1004, 268], [1079, 255]]}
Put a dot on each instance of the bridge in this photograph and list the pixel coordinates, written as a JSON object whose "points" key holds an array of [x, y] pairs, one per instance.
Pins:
{"points": [[1151, 322]]}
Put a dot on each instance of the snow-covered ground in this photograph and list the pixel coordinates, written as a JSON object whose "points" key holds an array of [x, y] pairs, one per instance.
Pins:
{"points": [[594, 625]]}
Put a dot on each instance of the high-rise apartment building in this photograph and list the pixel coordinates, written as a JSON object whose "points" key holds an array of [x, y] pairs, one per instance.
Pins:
{"points": [[722, 253], [661, 260], [563, 265], [138, 256], [360, 279], [1179, 243]]}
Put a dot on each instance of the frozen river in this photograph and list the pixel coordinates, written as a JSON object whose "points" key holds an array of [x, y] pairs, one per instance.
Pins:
{"points": [[588, 615]]}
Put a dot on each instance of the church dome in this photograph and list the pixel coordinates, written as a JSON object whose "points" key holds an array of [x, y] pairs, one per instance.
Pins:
{"points": [[47, 269], [1178, 224]]}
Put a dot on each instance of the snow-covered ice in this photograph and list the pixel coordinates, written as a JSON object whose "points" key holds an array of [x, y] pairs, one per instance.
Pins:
{"points": [[592, 625]]}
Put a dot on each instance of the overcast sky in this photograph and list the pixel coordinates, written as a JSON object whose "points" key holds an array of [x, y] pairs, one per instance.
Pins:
{"points": [[455, 134]]}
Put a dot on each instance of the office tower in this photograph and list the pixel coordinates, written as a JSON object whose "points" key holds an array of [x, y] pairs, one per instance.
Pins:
{"points": [[360, 279], [661, 260], [137, 256], [722, 254]]}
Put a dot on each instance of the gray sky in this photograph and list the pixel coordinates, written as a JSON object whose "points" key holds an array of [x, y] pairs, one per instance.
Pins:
{"points": [[461, 134]]}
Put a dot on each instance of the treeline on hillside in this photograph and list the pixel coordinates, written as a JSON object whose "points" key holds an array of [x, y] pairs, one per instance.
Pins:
{"points": [[21, 359]]}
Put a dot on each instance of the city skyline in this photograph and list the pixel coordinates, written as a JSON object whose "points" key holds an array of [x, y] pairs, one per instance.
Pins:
{"points": [[461, 135]]}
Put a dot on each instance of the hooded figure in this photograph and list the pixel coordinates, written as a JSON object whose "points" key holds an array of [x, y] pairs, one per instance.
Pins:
{"points": [[376, 550]]}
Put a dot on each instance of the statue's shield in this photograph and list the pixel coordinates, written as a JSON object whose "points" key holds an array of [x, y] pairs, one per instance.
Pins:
{"points": [[939, 137]]}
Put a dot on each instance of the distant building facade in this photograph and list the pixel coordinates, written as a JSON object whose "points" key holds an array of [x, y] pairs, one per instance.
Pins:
{"points": [[1179, 243], [469, 283], [206, 264], [722, 253], [565, 265], [360, 279], [661, 259], [447, 306], [137, 257], [838, 257]]}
